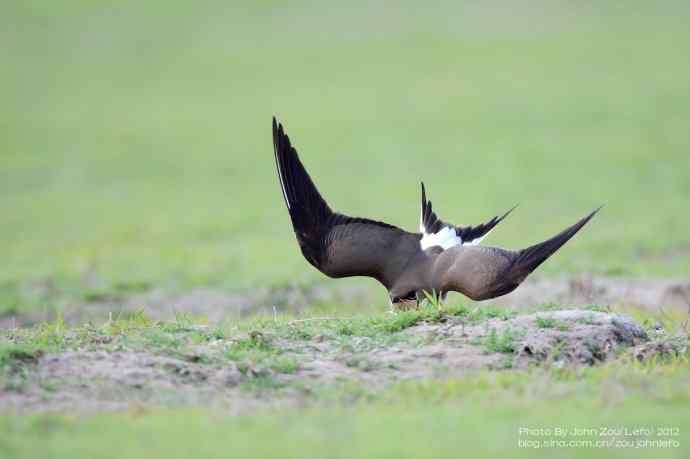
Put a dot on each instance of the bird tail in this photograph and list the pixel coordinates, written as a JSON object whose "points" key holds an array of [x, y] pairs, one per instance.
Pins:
{"points": [[527, 260], [430, 223]]}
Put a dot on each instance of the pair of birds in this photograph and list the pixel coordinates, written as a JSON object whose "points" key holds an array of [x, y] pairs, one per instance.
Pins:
{"points": [[442, 257]]}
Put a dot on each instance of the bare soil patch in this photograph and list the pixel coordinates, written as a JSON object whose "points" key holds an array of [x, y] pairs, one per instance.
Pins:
{"points": [[650, 294]]}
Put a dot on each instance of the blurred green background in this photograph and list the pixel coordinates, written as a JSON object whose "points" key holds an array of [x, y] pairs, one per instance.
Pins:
{"points": [[135, 142]]}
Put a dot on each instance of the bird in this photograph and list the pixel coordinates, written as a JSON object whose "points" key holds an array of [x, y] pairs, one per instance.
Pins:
{"points": [[438, 259]]}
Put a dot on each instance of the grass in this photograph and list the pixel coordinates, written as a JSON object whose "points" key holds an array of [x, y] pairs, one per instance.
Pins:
{"points": [[414, 419], [14, 362], [285, 364], [255, 353], [550, 322], [503, 341], [130, 171], [14, 357], [481, 412], [587, 320], [546, 322]]}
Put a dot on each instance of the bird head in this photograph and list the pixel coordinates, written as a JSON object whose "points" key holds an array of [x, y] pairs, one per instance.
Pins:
{"points": [[404, 298]]}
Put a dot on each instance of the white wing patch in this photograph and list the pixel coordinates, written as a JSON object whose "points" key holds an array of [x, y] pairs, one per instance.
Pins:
{"points": [[476, 241], [445, 238]]}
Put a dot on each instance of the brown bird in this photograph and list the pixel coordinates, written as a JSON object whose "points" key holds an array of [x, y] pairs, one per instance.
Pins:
{"points": [[440, 258]]}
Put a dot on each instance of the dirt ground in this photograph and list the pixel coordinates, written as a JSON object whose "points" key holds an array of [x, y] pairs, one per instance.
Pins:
{"points": [[588, 289], [217, 305], [566, 290], [109, 374]]}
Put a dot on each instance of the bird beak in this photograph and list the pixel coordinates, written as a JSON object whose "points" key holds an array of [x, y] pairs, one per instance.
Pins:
{"points": [[406, 305]]}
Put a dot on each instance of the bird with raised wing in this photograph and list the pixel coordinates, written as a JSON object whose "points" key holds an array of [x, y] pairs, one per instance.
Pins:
{"points": [[439, 259]]}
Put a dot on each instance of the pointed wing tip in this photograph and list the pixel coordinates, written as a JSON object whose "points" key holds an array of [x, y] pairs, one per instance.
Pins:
{"points": [[279, 132], [587, 218], [574, 229], [593, 213], [277, 128], [510, 211]]}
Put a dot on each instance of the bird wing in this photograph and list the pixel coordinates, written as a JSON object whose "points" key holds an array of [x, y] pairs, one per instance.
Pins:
{"points": [[482, 273], [336, 244], [435, 232]]}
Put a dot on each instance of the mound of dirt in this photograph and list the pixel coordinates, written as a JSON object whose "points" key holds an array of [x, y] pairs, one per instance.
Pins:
{"points": [[109, 373], [583, 338], [568, 337]]}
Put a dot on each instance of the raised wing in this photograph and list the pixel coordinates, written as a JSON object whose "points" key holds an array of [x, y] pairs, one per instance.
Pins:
{"points": [[482, 273], [336, 244], [435, 232]]}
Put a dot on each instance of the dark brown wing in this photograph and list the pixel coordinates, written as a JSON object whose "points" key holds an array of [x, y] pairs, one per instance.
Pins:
{"points": [[482, 273], [430, 223], [336, 244]]}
